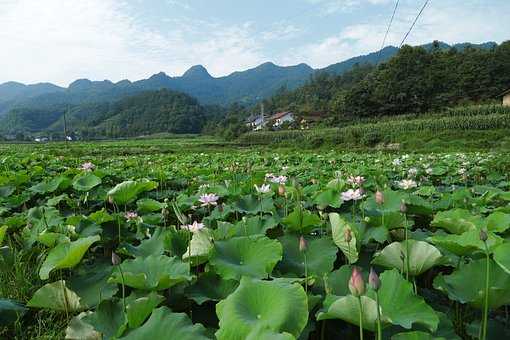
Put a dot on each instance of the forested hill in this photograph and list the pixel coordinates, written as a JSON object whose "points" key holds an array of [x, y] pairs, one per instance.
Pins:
{"points": [[415, 80], [144, 113]]}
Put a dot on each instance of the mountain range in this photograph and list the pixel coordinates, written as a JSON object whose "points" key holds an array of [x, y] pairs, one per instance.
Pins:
{"points": [[245, 87]]}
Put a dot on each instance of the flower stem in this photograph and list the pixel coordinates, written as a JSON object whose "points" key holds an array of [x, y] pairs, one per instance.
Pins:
{"points": [[306, 274], [360, 318], [486, 302], [379, 330], [123, 290], [407, 248]]}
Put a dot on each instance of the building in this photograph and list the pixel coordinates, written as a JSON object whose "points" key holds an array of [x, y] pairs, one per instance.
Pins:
{"points": [[506, 97], [278, 119], [256, 122]]}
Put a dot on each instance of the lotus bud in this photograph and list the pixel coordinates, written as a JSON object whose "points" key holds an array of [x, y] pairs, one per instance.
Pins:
{"points": [[303, 244], [483, 235], [379, 197], [403, 207], [356, 283], [348, 235], [373, 280], [281, 190], [115, 259], [110, 199]]}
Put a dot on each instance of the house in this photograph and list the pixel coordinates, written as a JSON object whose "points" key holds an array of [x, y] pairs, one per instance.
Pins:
{"points": [[311, 118], [256, 122], [506, 97], [278, 119]]}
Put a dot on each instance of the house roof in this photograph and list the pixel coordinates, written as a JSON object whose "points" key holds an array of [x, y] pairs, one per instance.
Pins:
{"points": [[504, 93], [280, 115]]}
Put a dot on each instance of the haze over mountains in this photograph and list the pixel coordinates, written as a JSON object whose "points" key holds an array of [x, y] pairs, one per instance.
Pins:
{"points": [[40, 106]]}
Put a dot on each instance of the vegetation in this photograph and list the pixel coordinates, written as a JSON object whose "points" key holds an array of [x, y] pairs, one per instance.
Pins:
{"points": [[141, 239]]}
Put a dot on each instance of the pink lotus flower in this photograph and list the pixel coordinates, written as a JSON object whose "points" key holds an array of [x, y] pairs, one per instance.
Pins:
{"points": [[208, 199], [131, 216], [279, 180], [356, 283], [194, 227], [358, 180], [407, 184], [87, 166], [352, 195]]}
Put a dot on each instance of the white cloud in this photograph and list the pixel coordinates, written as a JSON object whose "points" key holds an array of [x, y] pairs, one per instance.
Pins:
{"points": [[62, 40], [446, 21]]}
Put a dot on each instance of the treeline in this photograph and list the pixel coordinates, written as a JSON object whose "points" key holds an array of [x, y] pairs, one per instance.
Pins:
{"points": [[416, 80]]}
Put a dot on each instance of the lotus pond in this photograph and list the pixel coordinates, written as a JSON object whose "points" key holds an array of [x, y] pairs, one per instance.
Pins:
{"points": [[224, 243]]}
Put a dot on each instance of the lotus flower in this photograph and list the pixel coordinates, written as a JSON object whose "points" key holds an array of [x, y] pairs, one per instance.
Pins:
{"points": [[379, 197], [87, 166], [194, 227], [483, 235], [263, 189], [358, 180], [115, 259], [373, 280], [412, 172], [303, 244], [208, 199], [407, 184], [351, 194], [279, 180], [131, 216], [356, 283]]}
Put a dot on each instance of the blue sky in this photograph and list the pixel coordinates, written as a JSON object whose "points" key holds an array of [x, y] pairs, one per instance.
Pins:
{"points": [[62, 40]]}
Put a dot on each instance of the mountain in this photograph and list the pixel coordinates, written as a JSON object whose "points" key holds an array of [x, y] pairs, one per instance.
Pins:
{"points": [[39, 106]]}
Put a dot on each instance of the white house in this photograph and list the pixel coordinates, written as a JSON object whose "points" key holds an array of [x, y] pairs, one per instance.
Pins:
{"points": [[256, 122], [278, 119]]}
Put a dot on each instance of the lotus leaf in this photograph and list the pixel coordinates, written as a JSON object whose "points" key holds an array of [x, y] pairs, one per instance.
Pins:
{"points": [[457, 221], [210, 287], [108, 319], [86, 181], [338, 229], [127, 191], [502, 256], [56, 296]]}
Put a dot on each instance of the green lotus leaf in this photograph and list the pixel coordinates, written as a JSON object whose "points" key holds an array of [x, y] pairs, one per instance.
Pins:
{"points": [[201, 247], [6, 191], [250, 204], [56, 296], [152, 272], [176, 242], [422, 256], [60, 182], [163, 324], [277, 305], [465, 243], [301, 220], [457, 221], [401, 306], [347, 308], [152, 246], [108, 319], [392, 200], [254, 225], [90, 284], [498, 222], [467, 284], [50, 239], [253, 256], [80, 330], [86, 181], [416, 335], [265, 333], [139, 306], [3, 231], [100, 217], [417, 205], [502, 256], [146, 205], [328, 198], [210, 287], [56, 200], [10, 311], [338, 227], [66, 255], [127, 191], [320, 256], [337, 282]]}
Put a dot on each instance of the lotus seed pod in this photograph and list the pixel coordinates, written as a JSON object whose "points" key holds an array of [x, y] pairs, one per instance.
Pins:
{"points": [[356, 283], [379, 197], [373, 280], [348, 235], [115, 259], [303, 244], [483, 235]]}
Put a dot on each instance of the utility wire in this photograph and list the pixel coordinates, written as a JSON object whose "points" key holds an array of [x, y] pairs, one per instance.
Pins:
{"points": [[387, 31], [414, 22]]}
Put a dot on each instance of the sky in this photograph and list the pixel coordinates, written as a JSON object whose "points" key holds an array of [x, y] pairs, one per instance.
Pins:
{"points": [[60, 41]]}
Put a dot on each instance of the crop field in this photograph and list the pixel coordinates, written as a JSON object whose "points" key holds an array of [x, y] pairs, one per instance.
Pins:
{"points": [[194, 239]]}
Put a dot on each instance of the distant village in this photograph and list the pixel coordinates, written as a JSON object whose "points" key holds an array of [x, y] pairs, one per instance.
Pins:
{"points": [[282, 120]]}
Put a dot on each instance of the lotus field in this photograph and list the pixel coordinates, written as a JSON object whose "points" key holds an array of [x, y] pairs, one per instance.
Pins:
{"points": [[254, 244]]}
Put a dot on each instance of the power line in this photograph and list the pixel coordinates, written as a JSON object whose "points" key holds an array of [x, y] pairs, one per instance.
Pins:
{"points": [[387, 31], [414, 22]]}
